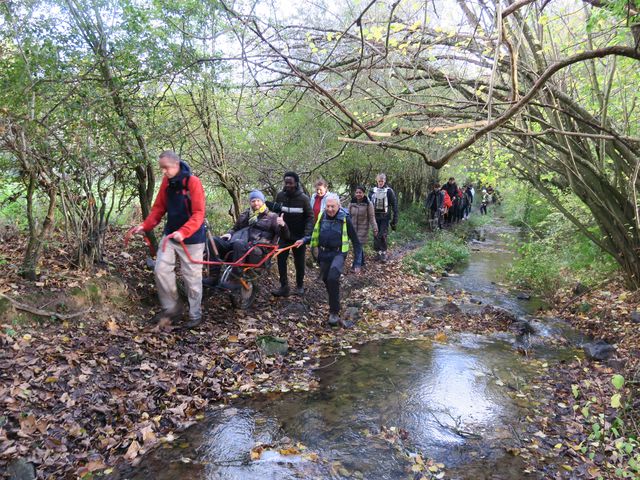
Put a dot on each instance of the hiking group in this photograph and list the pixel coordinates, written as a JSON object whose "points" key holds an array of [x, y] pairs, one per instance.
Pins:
{"points": [[292, 221], [448, 204]]}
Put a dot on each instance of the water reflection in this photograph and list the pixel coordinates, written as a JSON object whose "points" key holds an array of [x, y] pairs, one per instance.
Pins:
{"points": [[443, 398], [484, 271]]}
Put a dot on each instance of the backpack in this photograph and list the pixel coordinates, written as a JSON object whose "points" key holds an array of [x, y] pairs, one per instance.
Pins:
{"points": [[380, 199], [447, 200]]}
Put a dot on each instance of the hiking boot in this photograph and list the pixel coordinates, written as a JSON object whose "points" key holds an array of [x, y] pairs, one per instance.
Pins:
{"points": [[193, 322], [210, 282], [346, 323], [357, 270], [299, 291], [162, 315], [334, 320], [383, 257], [283, 291]]}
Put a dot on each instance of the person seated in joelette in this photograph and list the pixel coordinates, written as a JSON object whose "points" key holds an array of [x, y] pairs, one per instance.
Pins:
{"points": [[255, 225]]}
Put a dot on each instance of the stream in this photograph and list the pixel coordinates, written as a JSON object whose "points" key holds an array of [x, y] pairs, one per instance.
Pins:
{"points": [[395, 399]]}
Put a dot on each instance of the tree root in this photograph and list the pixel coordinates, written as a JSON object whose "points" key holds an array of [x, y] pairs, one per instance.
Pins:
{"points": [[43, 313]]}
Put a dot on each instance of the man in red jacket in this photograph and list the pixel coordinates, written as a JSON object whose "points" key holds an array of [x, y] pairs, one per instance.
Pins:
{"points": [[181, 197]]}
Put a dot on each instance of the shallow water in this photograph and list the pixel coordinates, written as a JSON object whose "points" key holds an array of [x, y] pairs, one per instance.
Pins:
{"points": [[444, 396], [483, 274]]}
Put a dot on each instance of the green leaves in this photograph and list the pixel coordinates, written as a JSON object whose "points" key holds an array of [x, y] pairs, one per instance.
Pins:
{"points": [[617, 381], [616, 400], [575, 390]]}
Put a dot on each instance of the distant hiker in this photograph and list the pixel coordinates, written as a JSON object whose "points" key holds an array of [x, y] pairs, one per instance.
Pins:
{"points": [[486, 199], [362, 216], [435, 205], [460, 205], [298, 216], [385, 206], [255, 225], [468, 193], [496, 197], [181, 197], [331, 234], [319, 198], [491, 192], [451, 187]]}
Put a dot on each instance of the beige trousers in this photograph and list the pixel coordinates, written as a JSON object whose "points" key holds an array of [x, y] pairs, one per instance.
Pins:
{"points": [[165, 273]]}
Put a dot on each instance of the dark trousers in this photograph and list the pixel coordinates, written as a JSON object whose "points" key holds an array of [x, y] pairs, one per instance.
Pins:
{"points": [[380, 240], [483, 208], [298, 261], [331, 266], [358, 258], [239, 248]]}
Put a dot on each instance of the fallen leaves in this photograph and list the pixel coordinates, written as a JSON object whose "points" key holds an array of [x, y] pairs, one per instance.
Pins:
{"points": [[110, 386]]}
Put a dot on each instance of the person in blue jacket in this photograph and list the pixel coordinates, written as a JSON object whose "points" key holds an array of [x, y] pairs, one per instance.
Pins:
{"points": [[331, 235]]}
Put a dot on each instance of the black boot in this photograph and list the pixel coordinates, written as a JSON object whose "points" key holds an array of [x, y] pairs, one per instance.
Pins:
{"points": [[193, 322], [283, 291]]}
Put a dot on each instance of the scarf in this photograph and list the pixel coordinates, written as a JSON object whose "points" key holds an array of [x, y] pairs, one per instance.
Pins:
{"points": [[253, 218]]}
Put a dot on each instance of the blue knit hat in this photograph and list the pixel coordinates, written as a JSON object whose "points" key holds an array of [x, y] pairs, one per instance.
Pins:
{"points": [[256, 194]]}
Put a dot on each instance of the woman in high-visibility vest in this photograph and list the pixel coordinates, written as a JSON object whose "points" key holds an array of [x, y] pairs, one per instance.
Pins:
{"points": [[331, 235]]}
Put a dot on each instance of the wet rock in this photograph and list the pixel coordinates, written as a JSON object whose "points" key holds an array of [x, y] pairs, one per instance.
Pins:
{"points": [[579, 289], [418, 320], [598, 350], [523, 296], [450, 308], [500, 313], [429, 269], [522, 327], [426, 303], [475, 300], [432, 289], [445, 273], [295, 308], [635, 316], [352, 313], [272, 345], [20, 469]]}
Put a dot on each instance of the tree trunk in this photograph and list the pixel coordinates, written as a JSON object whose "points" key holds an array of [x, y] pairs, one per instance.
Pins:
{"points": [[33, 253]]}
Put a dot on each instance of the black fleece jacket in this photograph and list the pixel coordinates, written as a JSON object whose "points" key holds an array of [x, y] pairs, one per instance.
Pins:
{"points": [[298, 214]]}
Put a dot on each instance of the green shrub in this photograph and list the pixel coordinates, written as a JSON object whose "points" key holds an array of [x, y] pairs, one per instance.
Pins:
{"points": [[559, 254], [536, 269], [412, 225], [443, 249]]}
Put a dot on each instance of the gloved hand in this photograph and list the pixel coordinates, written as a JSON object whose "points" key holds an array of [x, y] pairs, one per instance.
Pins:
{"points": [[275, 207]]}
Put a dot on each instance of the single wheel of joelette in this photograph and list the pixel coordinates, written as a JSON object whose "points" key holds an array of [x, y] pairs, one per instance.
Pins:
{"points": [[245, 294]]}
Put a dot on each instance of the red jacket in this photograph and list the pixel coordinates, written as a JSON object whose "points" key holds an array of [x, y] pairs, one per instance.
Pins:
{"points": [[447, 200], [195, 221]]}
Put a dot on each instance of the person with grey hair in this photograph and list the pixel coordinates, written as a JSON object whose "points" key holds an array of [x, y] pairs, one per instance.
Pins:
{"points": [[385, 206], [181, 197], [331, 235]]}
